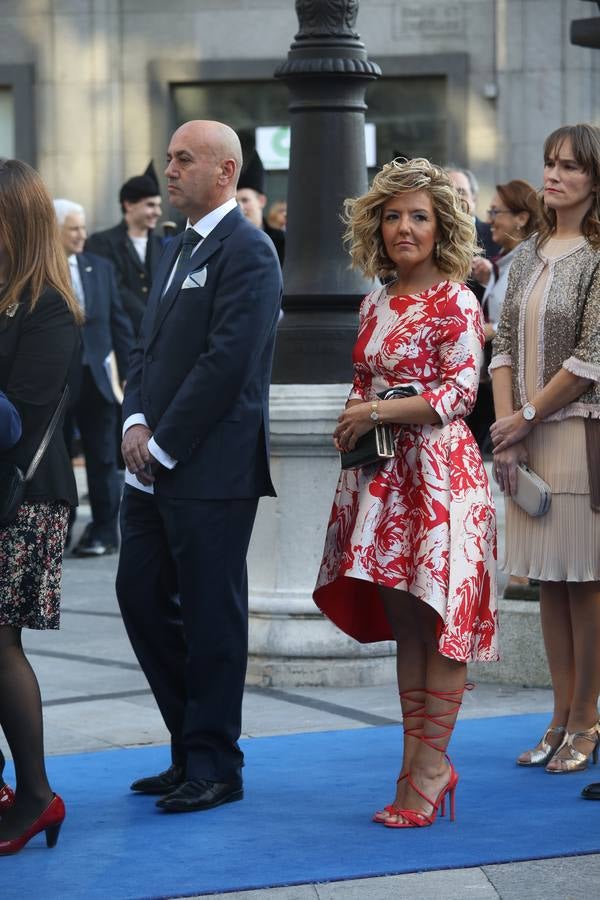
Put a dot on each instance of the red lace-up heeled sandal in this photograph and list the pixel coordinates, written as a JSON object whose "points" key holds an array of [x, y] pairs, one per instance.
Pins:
{"points": [[382, 815], [416, 818]]}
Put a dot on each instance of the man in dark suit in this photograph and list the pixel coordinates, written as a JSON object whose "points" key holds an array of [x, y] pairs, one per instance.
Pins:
{"points": [[467, 187], [132, 246], [93, 405], [253, 200], [196, 447]]}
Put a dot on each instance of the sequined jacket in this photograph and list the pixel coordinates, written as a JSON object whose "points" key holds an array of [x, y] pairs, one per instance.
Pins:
{"points": [[569, 327]]}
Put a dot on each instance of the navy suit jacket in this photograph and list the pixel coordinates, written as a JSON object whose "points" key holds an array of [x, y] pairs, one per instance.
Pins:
{"points": [[107, 326], [201, 368]]}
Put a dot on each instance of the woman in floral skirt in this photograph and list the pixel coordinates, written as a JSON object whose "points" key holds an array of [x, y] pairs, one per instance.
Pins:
{"points": [[411, 543], [38, 336]]}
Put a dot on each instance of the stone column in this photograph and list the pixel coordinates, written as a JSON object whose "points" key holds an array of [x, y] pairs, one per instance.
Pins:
{"points": [[291, 643]]}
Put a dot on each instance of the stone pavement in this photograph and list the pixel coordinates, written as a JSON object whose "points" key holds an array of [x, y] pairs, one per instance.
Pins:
{"points": [[96, 698]]}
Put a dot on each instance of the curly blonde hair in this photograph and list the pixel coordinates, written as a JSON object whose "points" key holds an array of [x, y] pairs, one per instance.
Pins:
{"points": [[457, 242]]}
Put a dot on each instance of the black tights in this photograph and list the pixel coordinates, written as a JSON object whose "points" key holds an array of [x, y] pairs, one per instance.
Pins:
{"points": [[22, 724]]}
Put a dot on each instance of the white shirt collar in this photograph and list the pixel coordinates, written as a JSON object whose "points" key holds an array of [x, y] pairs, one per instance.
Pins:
{"points": [[205, 225]]}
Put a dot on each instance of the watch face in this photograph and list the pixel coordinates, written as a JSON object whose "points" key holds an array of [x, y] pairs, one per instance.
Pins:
{"points": [[529, 412]]}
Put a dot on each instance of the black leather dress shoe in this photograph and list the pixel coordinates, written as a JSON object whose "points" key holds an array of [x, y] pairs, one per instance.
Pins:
{"points": [[161, 784], [197, 795], [592, 791]]}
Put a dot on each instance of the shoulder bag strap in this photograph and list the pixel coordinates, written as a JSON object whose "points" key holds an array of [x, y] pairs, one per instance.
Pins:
{"points": [[47, 435]]}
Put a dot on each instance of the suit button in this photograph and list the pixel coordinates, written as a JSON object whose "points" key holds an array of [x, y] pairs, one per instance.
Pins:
{"points": [[149, 357], [142, 275], [144, 289]]}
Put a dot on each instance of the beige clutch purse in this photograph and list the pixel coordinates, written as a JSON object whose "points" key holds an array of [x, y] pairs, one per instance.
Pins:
{"points": [[533, 495]]}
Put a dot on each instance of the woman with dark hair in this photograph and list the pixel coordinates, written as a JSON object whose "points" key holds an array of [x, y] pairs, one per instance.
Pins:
{"points": [[546, 380], [38, 336], [513, 217], [410, 548]]}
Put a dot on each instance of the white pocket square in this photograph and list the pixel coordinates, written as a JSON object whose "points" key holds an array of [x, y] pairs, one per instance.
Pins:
{"points": [[195, 279]]}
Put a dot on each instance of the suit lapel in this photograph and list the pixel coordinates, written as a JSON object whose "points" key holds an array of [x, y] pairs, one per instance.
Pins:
{"points": [[198, 259], [87, 283]]}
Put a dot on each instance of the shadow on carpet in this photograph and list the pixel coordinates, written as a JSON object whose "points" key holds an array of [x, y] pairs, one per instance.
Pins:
{"points": [[305, 818]]}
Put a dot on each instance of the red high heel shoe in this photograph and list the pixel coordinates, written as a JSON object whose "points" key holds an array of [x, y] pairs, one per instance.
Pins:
{"points": [[7, 798], [49, 821], [382, 815], [416, 818]]}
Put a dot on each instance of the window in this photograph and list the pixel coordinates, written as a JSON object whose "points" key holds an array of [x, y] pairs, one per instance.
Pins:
{"points": [[7, 123]]}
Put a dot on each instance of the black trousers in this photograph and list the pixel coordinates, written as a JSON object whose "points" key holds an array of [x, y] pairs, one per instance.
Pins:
{"points": [[183, 592], [96, 420]]}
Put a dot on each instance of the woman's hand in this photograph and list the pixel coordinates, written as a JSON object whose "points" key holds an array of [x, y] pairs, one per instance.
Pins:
{"points": [[482, 270], [489, 331], [352, 424], [505, 467], [509, 430]]}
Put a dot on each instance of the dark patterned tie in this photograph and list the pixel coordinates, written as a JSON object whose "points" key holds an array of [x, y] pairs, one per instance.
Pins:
{"points": [[190, 239]]}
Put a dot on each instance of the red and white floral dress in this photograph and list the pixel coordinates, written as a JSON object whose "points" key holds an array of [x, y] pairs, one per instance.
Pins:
{"points": [[423, 522]]}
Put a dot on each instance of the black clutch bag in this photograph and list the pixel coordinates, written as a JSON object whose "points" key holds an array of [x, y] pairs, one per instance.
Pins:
{"points": [[378, 444]]}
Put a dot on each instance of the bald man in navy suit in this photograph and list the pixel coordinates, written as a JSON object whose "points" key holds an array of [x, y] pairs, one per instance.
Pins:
{"points": [[196, 447]]}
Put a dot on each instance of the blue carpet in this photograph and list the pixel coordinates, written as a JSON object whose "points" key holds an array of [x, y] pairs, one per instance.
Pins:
{"points": [[306, 817]]}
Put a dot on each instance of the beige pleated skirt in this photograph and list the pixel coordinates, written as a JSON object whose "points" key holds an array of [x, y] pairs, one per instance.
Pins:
{"points": [[563, 545]]}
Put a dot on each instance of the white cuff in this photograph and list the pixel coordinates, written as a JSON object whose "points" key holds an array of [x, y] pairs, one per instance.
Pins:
{"points": [[502, 359], [582, 369], [164, 459], [134, 419]]}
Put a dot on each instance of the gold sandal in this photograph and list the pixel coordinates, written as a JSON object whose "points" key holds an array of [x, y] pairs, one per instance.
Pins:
{"points": [[577, 761], [542, 754]]}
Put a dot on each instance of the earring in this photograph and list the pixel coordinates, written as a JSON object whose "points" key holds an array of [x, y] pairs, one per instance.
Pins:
{"points": [[437, 251]]}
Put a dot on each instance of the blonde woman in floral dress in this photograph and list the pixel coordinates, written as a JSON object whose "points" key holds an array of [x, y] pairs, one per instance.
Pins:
{"points": [[546, 380], [410, 548]]}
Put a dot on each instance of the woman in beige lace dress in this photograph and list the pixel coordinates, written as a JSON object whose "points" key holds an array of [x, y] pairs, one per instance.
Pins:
{"points": [[546, 380]]}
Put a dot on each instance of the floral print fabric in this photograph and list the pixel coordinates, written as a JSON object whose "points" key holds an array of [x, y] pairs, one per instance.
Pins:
{"points": [[31, 551], [423, 522]]}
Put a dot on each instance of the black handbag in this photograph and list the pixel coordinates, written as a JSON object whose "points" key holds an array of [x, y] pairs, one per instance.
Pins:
{"points": [[377, 444], [13, 483]]}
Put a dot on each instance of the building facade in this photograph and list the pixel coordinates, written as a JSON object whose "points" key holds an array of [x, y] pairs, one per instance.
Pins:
{"points": [[91, 89]]}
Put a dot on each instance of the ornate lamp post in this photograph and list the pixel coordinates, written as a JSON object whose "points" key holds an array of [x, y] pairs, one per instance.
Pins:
{"points": [[291, 643], [327, 72]]}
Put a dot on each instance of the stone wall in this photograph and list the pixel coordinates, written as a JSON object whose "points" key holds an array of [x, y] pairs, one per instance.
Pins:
{"points": [[94, 101]]}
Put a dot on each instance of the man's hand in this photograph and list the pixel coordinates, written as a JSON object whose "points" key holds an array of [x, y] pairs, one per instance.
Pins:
{"points": [[135, 451], [147, 475]]}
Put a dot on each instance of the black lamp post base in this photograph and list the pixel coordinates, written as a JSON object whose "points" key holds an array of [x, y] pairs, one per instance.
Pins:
{"points": [[314, 345]]}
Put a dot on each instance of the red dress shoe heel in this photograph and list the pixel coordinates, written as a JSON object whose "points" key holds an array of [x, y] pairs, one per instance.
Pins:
{"points": [[414, 818], [7, 798], [49, 821]]}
